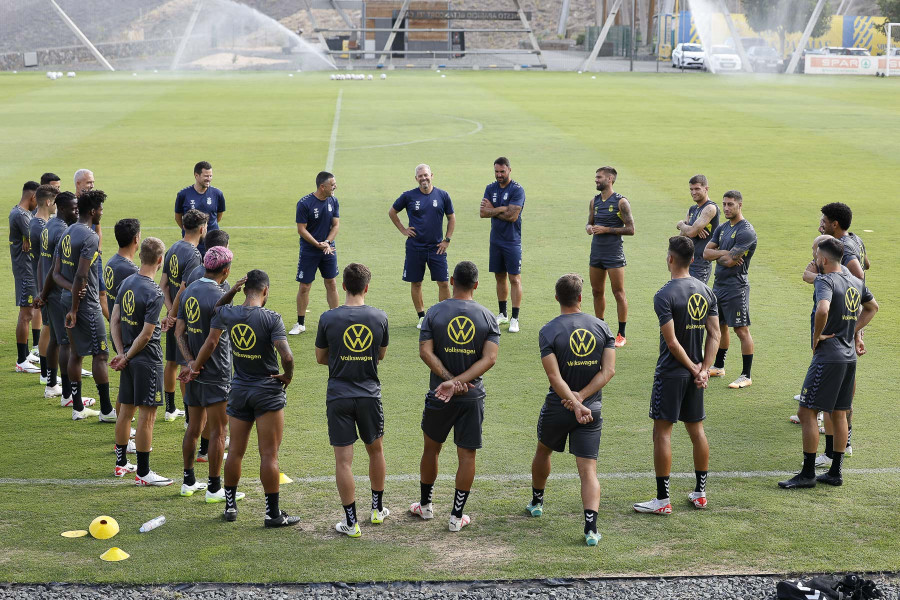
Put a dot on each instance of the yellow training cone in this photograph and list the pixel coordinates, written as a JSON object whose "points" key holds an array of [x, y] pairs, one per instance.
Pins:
{"points": [[285, 479], [114, 554], [74, 534], [104, 527]]}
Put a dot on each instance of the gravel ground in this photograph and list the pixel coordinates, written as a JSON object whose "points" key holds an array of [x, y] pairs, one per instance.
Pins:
{"points": [[724, 588]]}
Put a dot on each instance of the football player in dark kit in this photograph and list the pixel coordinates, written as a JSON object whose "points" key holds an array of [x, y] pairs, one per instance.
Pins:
{"points": [[203, 197], [136, 330], [459, 343], [79, 249], [702, 219], [352, 339], [579, 356], [46, 197], [121, 265], [257, 388], [844, 305], [23, 276], [686, 308], [205, 397], [609, 218]]}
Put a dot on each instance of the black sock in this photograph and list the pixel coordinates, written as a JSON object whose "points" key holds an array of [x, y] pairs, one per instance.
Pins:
{"points": [[43, 366], [230, 502], [143, 466], [301, 319], [426, 491], [35, 336], [66, 384], [849, 433], [350, 513], [515, 314], [622, 328], [106, 406], [378, 500], [459, 502], [701, 481], [22, 351], [836, 462], [272, 510], [421, 313], [502, 304], [170, 401], [121, 460], [537, 496], [215, 484], [189, 478], [662, 487], [720, 358], [748, 364], [590, 521], [809, 465], [51, 377], [829, 445], [204, 445], [77, 404]]}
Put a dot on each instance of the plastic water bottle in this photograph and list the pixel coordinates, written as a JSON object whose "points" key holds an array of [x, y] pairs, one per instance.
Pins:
{"points": [[153, 524]]}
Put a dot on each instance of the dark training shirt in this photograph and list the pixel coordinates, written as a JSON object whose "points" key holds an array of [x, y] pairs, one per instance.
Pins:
{"points": [[688, 303], [354, 337], [578, 341]]}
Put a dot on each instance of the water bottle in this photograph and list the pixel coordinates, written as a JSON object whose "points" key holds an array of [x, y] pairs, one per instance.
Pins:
{"points": [[153, 524]]}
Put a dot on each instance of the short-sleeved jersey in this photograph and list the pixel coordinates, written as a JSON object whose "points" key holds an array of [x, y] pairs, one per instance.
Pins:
{"points": [[196, 308], [253, 331], [50, 237], [726, 237], [688, 303], [19, 231], [354, 337], [506, 233], [608, 214], [211, 202], [140, 301], [198, 272], [317, 215], [426, 215], [181, 258], [459, 329], [860, 247], [846, 294], [35, 227], [578, 341], [117, 269], [694, 214], [80, 241]]}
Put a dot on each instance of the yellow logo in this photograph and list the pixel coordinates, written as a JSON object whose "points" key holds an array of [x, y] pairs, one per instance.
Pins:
{"points": [[173, 266], [611, 209], [128, 303], [103, 345], [45, 238], [697, 307], [67, 246], [109, 278], [582, 342], [357, 338], [461, 330], [243, 336], [192, 310], [851, 299]]}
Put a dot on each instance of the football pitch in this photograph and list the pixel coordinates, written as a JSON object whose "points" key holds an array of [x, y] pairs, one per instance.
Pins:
{"points": [[789, 145]]}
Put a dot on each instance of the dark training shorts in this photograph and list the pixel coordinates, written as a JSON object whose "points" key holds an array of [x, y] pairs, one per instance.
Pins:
{"points": [[204, 394], [700, 270], [88, 337], [600, 260], [734, 306], [57, 320], [829, 386], [676, 399], [249, 403], [345, 415], [310, 260], [556, 423], [172, 352], [141, 384], [416, 260], [26, 290], [464, 417], [505, 259]]}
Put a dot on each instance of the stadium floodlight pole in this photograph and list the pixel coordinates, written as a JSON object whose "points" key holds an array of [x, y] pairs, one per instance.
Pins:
{"points": [[804, 39], [71, 24], [523, 18], [631, 57], [401, 14], [610, 19], [746, 66], [187, 35]]}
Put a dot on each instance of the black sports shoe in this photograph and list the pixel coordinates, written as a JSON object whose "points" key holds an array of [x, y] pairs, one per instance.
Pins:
{"points": [[230, 514], [798, 481], [282, 520], [830, 479]]}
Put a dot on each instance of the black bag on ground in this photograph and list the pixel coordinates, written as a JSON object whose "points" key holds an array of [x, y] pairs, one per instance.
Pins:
{"points": [[817, 588]]}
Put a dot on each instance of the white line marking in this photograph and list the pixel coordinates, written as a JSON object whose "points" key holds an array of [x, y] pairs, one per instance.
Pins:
{"points": [[451, 477], [478, 127], [332, 144]]}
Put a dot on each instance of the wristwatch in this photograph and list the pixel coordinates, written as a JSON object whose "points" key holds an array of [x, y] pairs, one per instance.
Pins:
{"points": [[446, 239]]}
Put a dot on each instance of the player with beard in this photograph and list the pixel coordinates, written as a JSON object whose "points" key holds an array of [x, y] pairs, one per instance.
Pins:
{"points": [[702, 219], [23, 276]]}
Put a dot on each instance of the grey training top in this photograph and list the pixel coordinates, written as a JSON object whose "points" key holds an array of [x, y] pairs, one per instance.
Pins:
{"points": [[77, 242], [847, 294], [196, 309], [140, 301], [688, 303], [354, 337], [578, 341], [253, 331], [728, 237]]}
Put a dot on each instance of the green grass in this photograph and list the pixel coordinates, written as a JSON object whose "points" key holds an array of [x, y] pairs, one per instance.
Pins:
{"points": [[790, 145]]}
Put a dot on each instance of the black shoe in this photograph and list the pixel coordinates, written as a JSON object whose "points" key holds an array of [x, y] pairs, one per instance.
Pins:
{"points": [[230, 515], [798, 481], [830, 479], [282, 520]]}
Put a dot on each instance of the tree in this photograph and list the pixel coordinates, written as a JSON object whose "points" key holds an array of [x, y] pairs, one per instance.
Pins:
{"points": [[788, 16], [891, 10]]}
